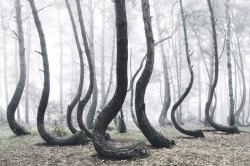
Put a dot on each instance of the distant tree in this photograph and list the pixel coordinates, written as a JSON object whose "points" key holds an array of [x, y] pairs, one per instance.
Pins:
{"points": [[103, 148], [79, 137], [121, 123], [12, 106], [229, 129]]}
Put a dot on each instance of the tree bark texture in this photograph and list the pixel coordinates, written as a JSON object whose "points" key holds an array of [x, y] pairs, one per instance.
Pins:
{"points": [[154, 137], [92, 109], [80, 86], [79, 137], [229, 129], [194, 133], [104, 148], [229, 66], [12, 106], [82, 103]]}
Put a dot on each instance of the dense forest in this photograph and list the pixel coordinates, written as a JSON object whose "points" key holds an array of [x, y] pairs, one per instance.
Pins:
{"points": [[150, 82]]}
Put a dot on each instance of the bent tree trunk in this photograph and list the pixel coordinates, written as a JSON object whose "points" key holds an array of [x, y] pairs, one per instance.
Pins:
{"points": [[155, 138], [92, 109], [79, 91], [82, 103], [229, 129], [11, 109], [195, 133], [79, 137], [104, 148]]}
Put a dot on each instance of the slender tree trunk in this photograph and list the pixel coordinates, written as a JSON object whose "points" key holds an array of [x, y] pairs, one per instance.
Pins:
{"points": [[155, 138], [16, 79], [27, 85], [84, 101], [12, 106], [80, 86], [92, 110], [103, 148], [199, 87], [229, 66], [167, 96], [195, 133], [229, 129], [79, 137], [103, 55]]}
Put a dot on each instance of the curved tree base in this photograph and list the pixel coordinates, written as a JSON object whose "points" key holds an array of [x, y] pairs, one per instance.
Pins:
{"points": [[155, 138], [228, 129], [79, 138], [69, 120], [137, 150], [18, 130], [193, 133]]}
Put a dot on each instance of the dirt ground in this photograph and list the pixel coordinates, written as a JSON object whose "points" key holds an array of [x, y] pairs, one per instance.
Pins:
{"points": [[216, 149]]}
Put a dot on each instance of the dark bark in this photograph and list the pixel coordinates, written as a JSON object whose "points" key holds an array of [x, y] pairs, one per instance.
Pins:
{"points": [[79, 137], [194, 133], [132, 88], [16, 79], [80, 86], [82, 103], [104, 148], [229, 129], [14, 102], [92, 109], [154, 137], [121, 123]]}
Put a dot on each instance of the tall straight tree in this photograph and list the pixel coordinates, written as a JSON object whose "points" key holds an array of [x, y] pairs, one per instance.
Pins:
{"points": [[167, 95], [229, 66], [104, 148], [27, 85], [154, 137], [229, 129], [79, 137], [12, 106]]}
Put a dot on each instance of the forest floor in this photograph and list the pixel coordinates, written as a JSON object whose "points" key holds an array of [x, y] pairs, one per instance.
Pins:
{"points": [[216, 149]]}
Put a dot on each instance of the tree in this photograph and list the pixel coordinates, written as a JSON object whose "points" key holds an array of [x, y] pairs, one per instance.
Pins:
{"points": [[155, 138], [12, 106], [229, 66], [167, 95], [229, 129], [79, 137], [80, 86], [92, 109], [195, 133], [82, 103], [103, 148]]}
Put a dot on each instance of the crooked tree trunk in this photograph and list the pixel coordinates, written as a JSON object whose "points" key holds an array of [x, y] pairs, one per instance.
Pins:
{"points": [[154, 137], [82, 103], [132, 88], [243, 100], [229, 129], [92, 109], [194, 133], [79, 137], [16, 79], [11, 109], [104, 148], [167, 96], [80, 86]]}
